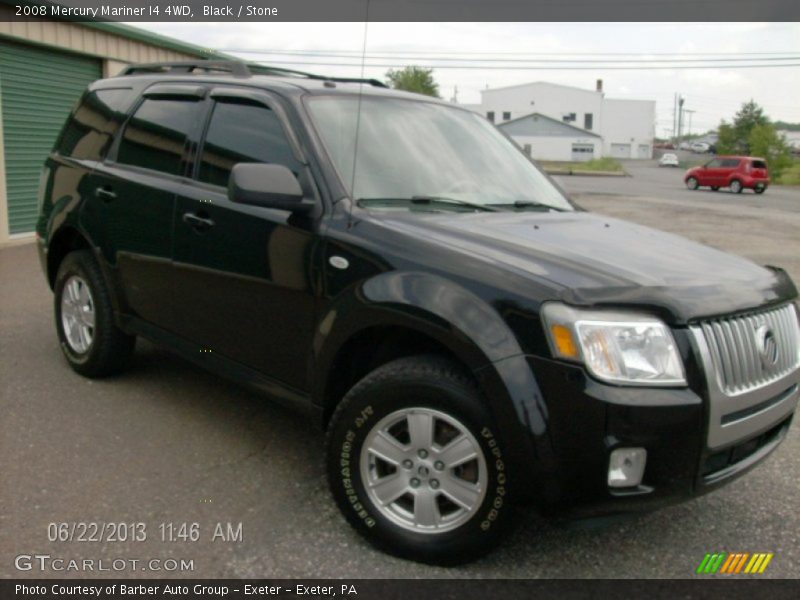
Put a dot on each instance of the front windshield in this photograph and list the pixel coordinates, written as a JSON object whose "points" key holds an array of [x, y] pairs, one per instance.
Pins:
{"points": [[410, 149]]}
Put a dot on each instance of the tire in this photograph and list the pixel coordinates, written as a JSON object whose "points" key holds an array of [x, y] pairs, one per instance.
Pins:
{"points": [[692, 184], [90, 340], [419, 520], [714, 188], [760, 188], [736, 186]]}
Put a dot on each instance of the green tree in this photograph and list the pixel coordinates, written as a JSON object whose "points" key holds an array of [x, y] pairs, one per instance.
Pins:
{"points": [[734, 138], [764, 141], [414, 79]]}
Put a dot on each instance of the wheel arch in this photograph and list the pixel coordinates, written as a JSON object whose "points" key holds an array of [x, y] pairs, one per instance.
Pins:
{"points": [[63, 241], [405, 314]]}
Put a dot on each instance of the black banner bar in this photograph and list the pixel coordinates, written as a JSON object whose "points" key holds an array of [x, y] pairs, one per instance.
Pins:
{"points": [[383, 589], [403, 10]]}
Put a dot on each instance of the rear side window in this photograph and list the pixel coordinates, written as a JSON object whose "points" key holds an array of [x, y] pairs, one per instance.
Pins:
{"points": [[241, 132], [759, 164], [91, 128], [730, 162], [155, 136]]}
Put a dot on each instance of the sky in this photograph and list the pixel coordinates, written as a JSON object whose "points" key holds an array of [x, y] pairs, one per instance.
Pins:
{"points": [[713, 93]]}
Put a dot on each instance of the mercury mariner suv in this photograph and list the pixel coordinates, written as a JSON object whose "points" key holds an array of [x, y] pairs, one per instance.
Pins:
{"points": [[393, 265]]}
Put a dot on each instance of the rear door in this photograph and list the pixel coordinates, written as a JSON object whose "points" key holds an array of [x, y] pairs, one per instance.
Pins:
{"points": [[134, 194], [243, 274], [727, 171]]}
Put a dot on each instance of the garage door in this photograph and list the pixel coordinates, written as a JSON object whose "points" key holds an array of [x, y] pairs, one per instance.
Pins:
{"points": [[621, 150], [582, 152], [38, 87]]}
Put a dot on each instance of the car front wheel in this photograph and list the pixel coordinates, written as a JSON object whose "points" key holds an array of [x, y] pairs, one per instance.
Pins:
{"points": [[416, 465], [692, 183], [89, 338], [736, 186]]}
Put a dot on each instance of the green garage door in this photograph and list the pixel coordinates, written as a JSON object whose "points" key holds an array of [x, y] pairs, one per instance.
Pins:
{"points": [[38, 88]]}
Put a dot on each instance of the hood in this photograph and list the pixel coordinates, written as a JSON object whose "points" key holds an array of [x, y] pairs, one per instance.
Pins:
{"points": [[595, 260]]}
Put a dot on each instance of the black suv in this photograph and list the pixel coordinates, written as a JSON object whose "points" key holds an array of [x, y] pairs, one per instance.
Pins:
{"points": [[391, 263]]}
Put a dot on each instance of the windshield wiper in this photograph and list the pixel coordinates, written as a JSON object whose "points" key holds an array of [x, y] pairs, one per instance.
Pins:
{"points": [[528, 204], [431, 200]]}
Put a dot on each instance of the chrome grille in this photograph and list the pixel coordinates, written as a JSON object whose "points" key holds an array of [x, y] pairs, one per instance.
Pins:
{"points": [[742, 362]]}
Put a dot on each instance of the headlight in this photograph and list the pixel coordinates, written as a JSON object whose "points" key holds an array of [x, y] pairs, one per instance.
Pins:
{"points": [[618, 347]]}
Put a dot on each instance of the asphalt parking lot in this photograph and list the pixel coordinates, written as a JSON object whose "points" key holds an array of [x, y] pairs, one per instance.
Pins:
{"points": [[168, 443]]}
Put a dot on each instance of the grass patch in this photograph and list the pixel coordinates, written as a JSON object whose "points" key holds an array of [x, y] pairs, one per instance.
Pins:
{"points": [[790, 175], [597, 164]]}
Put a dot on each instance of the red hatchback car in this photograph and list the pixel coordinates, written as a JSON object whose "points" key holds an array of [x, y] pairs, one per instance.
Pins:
{"points": [[735, 172]]}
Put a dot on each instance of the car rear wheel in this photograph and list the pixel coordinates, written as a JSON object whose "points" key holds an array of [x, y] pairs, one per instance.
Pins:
{"points": [[760, 188], [90, 340], [736, 186], [692, 183], [415, 464]]}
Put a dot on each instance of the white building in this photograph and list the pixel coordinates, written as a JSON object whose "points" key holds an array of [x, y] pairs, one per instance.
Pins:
{"points": [[611, 127], [792, 137]]}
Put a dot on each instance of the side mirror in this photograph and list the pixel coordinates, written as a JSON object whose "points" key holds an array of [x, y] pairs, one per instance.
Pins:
{"points": [[270, 186]]}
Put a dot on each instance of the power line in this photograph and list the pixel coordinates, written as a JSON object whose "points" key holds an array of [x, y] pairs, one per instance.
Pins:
{"points": [[536, 68], [794, 57], [429, 53]]}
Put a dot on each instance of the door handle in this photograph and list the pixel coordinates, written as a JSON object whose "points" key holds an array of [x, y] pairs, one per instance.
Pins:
{"points": [[106, 194], [197, 222]]}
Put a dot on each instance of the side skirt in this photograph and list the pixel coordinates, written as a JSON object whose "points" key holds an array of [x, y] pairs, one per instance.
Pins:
{"points": [[282, 394]]}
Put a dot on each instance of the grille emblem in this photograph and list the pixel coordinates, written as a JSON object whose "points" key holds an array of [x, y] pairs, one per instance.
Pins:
{"points": [[767, 346]]}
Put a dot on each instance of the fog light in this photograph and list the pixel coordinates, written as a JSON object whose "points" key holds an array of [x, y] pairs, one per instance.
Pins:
{"points": [[626, 467]]}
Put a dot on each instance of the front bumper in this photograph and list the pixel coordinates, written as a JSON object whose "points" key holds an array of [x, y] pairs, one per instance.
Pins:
{"points": [[586, 420]]}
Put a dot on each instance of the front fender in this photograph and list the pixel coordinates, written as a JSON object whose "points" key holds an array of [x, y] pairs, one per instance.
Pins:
{"points": [[429, 304], [457, 318]]}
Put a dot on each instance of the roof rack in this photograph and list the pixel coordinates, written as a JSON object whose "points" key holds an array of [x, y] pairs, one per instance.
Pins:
{"points": [[235, 68]]}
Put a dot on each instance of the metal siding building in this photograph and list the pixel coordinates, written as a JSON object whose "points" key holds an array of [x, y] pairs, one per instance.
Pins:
{"points": [[44, 68], [626, 128]]}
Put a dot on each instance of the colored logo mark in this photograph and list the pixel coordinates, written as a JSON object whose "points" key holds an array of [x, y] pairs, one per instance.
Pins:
{"points": [[734, 562]]}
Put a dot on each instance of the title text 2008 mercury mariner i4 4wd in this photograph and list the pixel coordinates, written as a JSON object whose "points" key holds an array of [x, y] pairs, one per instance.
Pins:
{"points": [[467, 336]]}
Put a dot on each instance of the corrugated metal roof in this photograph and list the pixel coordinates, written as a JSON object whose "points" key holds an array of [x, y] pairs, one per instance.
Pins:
{"points": [[155, 39]]}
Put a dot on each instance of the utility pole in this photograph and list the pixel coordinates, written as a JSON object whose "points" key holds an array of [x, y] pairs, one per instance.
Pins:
{"points": [[680, 118], [675, 118], [689, 127]]}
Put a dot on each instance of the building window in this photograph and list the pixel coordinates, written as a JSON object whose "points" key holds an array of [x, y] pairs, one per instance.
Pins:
{"points": [[527, 149], [506, 116], [588, 121], [569, 118], [490, 116]]}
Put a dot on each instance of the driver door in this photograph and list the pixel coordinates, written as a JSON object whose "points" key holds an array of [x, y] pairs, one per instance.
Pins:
{"points": [[243, 274]]}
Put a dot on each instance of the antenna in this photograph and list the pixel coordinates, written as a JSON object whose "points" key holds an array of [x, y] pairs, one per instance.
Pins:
{"points": [[358, 118]]}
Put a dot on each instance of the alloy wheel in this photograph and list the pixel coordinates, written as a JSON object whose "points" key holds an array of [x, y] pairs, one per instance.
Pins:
{"points": [[77, 314], [423, 470]]}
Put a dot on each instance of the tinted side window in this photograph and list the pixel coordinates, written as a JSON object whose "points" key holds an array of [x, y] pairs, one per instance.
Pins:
{"points": [[91, 128], [730, 162], [714, 164], [759, 164], [243, 133], [156, 134]]}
